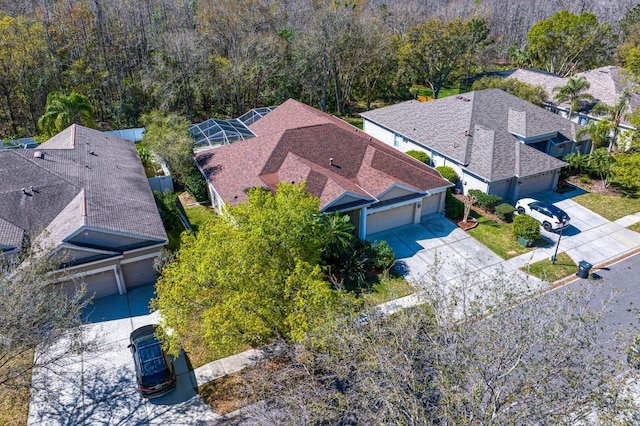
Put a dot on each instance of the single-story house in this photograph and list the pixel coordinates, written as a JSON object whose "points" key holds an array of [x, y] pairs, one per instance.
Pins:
{"points": [[85, 195], [348, 170], [496, 142]]}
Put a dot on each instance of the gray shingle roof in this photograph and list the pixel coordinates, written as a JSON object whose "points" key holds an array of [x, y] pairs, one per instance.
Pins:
{"points": [[473, 130], [78, 161], [606, 84]]}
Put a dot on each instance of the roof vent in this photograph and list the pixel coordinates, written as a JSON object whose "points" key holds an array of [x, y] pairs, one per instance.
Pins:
{"points": [[331, 161], [38, 154], [24, 191], [93, 153]]}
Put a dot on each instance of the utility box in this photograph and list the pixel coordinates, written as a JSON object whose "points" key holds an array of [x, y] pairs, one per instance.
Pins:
{"points": [[584, 268]]}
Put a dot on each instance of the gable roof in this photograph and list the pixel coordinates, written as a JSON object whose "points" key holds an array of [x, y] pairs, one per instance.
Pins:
{"points": [[476, 129], [85, 178], [296, 142], [606, 84]]}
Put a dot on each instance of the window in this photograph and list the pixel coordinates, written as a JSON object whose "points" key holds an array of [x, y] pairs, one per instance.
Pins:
{"points": [[397, 140]]}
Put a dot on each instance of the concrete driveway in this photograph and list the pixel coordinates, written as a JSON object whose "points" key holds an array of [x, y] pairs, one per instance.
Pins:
{"points": [[98, 387], [437, 241], [590, 236]]}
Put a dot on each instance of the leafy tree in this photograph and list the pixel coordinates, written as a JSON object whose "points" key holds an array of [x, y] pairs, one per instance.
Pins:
{"points": [[601, 163], [337, 234], [62, 111], [471, 355], [573, 92], [627, 170], [566, 43], [250, 276], [448, 173], [431, 52], [24, 62], [168, 137], [629, 24], [604, 130], [36, 316], [419, 155], [534, 94]]}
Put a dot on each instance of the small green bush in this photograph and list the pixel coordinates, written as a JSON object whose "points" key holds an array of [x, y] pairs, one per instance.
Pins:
{"points": [[420, 156], [382, 255], [448, 173], [453, 208], [197, 185], [486, 201], [526, 227], [504, 212]]}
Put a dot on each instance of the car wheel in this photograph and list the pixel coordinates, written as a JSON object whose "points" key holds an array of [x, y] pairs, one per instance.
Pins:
{"points": [[546, 226], [520, 210]]}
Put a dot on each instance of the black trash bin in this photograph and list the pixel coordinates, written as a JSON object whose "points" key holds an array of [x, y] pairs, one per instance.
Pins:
{"points": [[584, 268]]}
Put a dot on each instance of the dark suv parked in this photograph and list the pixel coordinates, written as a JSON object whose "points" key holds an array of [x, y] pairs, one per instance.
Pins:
{"points": [[154, 370]]}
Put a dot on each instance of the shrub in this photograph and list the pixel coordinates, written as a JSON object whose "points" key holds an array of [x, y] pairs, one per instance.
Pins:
{"points": [[448, 173], [197, 185], [486, 201], [168, 209], [420, 156], [453, 208], [382, 255], [526, 227], [504, 212]]}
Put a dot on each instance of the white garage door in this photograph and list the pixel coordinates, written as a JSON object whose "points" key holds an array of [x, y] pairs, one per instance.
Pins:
{"points": [[139, 273], [431, 205], [101, 284], [391, 218], [532, 185]]}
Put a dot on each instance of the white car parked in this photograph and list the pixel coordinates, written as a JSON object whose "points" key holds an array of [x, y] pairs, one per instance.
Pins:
{"points": [[551, 217]]}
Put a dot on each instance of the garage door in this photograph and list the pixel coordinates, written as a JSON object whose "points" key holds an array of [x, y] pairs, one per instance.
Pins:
{"points": [[536, 184], [391, 218], [430, 205], [139, 273], [101, 284]]}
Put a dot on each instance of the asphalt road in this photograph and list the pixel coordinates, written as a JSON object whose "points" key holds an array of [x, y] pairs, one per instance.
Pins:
{"points": [[618, 287]]}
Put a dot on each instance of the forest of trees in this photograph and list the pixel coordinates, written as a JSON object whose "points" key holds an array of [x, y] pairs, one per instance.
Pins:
{"points": [[219, 58]]}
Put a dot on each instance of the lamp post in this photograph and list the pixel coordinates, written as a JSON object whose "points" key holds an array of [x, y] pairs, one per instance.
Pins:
{"points": [[553, 258]]}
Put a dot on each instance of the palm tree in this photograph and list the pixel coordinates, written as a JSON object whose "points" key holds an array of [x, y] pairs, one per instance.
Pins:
{"points": [[336, 234], [606, 129], [574, 92], [62, 111]]}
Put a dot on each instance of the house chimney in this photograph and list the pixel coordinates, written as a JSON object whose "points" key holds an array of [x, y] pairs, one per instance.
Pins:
{"points": [[38, 154]]}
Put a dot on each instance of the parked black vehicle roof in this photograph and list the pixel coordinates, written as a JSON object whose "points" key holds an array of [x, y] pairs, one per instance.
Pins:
{"points": [[154, 369]]}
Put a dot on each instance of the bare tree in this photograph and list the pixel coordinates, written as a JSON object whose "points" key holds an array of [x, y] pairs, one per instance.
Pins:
{"points": [[472, 354], [36, 316]]}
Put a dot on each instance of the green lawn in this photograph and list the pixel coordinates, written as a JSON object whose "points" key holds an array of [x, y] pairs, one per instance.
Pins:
{"points": [[549, 272], [499, 238], [388, 288], [635, 227], [609, 206], [354, 121], [199, 215], [444, 92]]}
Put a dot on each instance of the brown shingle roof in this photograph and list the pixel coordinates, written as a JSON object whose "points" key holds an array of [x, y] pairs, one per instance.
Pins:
{"points": [[296, 142]]}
